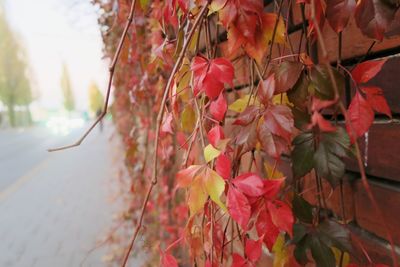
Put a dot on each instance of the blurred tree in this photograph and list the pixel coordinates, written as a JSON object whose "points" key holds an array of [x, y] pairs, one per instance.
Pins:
{"points": [[69, 100], [96, 98], [15, 88]]}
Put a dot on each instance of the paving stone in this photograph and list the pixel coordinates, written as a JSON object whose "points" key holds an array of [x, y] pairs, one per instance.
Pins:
{"points": [[62, 210]]}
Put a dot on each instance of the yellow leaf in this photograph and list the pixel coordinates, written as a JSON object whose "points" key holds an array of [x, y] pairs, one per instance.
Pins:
{"points": [[185, 177], [216, 5], [210, 153], [280, 252], [179, 42], [144, 4], [240, 104], [338, 253], [188, 119], [183, 80], [193, 42], [197, 196], [271, 173], [285, 100], [280, 36], [269, 21], [258, 147], [215, 186], [131, 153], [223, 143], [260, 46]]}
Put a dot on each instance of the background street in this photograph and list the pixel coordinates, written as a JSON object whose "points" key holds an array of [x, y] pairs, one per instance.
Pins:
{"points": [[55, 207]]}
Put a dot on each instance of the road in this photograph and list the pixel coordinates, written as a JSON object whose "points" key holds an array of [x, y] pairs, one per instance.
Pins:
{"points": [[54, 207]]}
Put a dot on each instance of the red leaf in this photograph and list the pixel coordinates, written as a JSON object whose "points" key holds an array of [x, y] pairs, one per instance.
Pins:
{"points": [[267, 89], [210, 76], [266, 228], [183, 5], [255, 47], [286, 75], [281, 215], [338, 13], [181, 138], [318, 104], [247, 116], [184, 177], [247, 136], [279, 120], [361, 116], [375, 265], [319, 17], [243, 15], [323, 125], [235, 40], [223, 166], [272, 187], [199, 67], [238, 207], [215, 135], [272, 144], [376, 99], [374, 17], [222, 69], [169, 13], [168, 260], [238, 261], [250, 184], [166, 126], [367, 70], [253, 249], [218, 108]]}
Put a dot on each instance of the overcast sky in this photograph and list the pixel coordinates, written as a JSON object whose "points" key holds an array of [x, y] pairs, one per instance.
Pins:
{"points": [[57, 31]]}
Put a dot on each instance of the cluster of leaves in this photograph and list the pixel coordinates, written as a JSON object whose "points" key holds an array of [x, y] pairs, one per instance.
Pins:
{"points": [[214, 205]]}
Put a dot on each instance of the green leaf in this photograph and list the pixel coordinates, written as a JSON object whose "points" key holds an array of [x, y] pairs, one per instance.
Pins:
{"points": [[327, 159], [301, 118], [335, 235], [303, 154], [302, 209], [323, 86], [300, 251], [210, 153], [321, 253], [299, 232], [299, 93]]}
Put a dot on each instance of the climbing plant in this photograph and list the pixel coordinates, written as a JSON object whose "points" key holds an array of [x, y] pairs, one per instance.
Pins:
{"points": [[211, 97]]}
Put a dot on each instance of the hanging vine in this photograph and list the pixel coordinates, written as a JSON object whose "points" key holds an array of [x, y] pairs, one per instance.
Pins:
{"points": [[211, 97]]}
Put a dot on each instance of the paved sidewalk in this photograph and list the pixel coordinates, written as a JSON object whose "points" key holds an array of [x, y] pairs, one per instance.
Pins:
{"points": [[56, 212]]}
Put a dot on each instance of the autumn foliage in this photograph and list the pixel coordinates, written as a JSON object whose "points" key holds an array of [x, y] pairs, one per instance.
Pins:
{"points": [[235, 98]]}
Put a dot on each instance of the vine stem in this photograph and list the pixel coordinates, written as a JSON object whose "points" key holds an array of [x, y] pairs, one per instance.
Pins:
{"points": [[159, 120], [111, 70], [273, 38], [356, 146]]}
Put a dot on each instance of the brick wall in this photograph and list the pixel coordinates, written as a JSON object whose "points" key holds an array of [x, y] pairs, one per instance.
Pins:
{"points": [[381, 146]]}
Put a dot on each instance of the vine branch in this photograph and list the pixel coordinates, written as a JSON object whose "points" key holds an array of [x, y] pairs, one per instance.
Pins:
{"points": [[356, 146], [153, 181], [111, 70]]}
